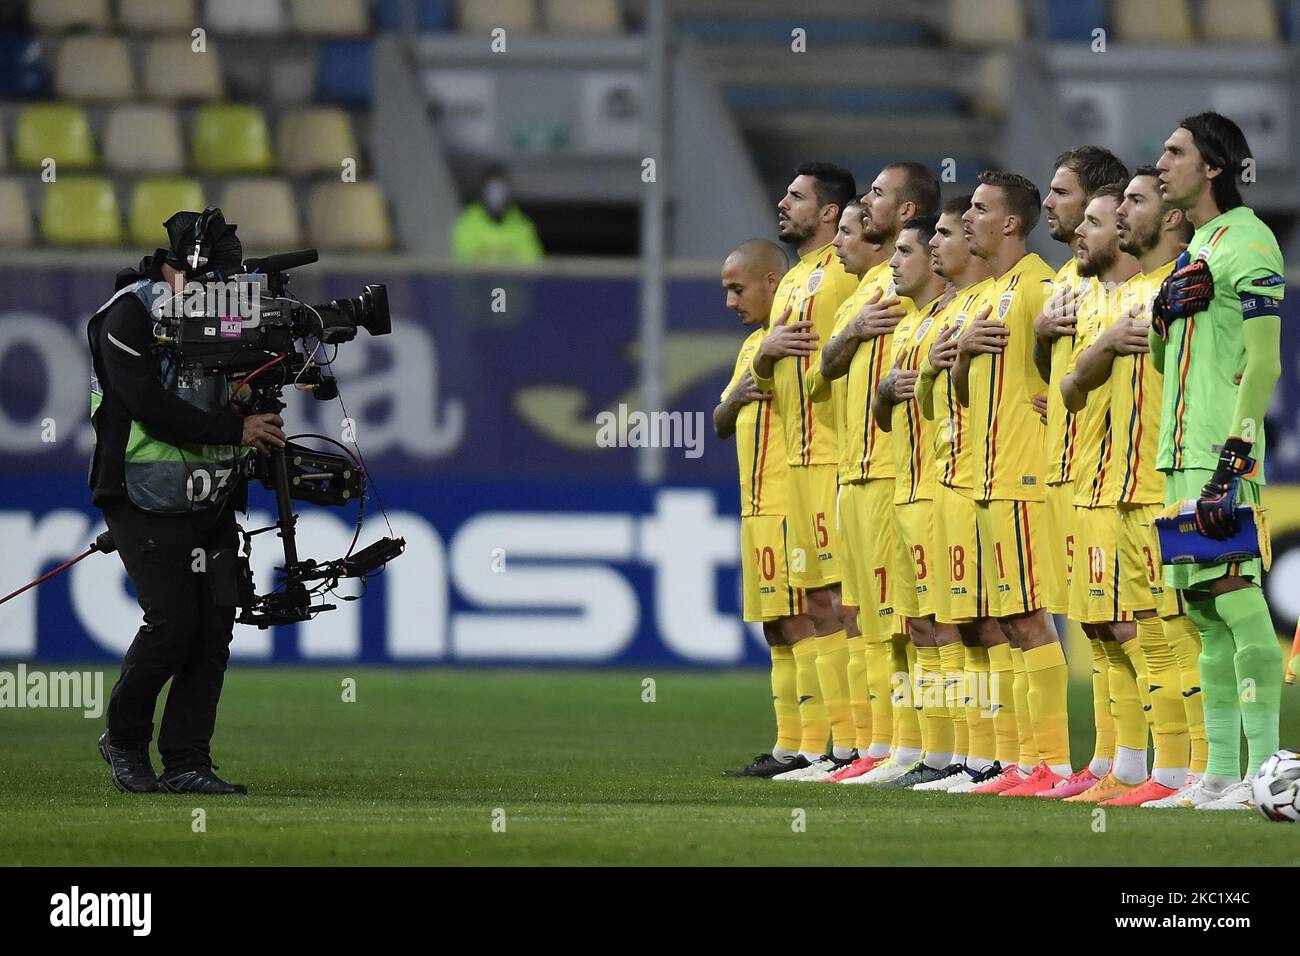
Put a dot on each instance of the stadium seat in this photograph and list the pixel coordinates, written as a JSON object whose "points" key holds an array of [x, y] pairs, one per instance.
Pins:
{"points": [[1239, 21], [22, 72], [173, 71], [152, 203], [94, 67], [1072, 21], [985, 22], [315, 139], [345, 72], [265, 212], [431, 16], [55, 15], [479, 16], [1154, 21], [330, 18], [264, 17], [15, 214], [349, 216], [157, 16], [81, 211], [232, 138], [582, 16], [57, 131], [143, 139]]}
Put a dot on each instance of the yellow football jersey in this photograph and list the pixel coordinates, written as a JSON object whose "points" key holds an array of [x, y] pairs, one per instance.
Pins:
{"points": [[1093, 440], [911, 432], [1006, 434], [1061, 428], [764, 473], [1135, 398], [951, 433], [864, 451], [813, 290]]}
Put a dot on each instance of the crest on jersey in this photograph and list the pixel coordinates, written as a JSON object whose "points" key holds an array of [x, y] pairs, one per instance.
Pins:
{"points": [[1004, 304], [815, 280], [889, 289], [960, 322], [924, 327]]}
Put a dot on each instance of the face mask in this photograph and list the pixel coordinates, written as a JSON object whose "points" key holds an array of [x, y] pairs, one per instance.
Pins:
{"points": [[496, 196]]}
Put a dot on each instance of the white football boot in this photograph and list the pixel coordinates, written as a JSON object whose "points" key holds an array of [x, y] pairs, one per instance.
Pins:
{"points": [[889, 770], [1236, 797]]}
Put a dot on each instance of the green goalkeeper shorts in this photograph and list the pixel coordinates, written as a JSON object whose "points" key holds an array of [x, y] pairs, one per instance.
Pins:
{"points": [[1181, 485]]}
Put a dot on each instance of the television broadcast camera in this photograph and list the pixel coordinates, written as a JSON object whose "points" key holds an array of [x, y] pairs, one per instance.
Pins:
{"points": [[260, 346]]}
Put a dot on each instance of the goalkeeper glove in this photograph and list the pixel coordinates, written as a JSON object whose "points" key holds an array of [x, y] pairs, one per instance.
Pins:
{"points": [[1216, 509], [1185, 291]]}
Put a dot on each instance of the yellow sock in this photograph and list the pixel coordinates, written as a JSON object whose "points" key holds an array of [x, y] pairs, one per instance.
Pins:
{"points": [[934, 709], [880, 669], [785, 698], [952, 667], [1049, 681], [1134, 651], [1185, 641], [907, 723], [814, 726], [1027, 750], [833, 675], [1165, 690], [1125, 701], [1006, 729], [859, 693], [979, 714], [1104, 748]]}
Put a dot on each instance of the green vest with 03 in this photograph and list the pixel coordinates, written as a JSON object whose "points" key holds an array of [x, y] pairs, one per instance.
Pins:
{"points": [[168, 477]]}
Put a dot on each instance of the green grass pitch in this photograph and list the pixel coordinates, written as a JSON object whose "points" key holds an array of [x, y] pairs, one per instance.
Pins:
{"points": [[582, 769]]}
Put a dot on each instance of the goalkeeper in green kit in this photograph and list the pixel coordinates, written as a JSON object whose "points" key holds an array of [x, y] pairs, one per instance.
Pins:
{"points": [[1217, 315]]}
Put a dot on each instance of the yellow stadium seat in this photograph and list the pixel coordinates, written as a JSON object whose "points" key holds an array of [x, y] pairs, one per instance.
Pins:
{"points": [[81, 211], [1239, 21], [232, 138], [985, 22], [152, 203], [582, 16], [315, 139], [93, 67], [265, 212], [482, 15], [349, 216], [15, 214], [48, 15], [174, 71], [1153, 21], [157, 16], [330, 18], [57, 131], [264, 17], [143, 138]]}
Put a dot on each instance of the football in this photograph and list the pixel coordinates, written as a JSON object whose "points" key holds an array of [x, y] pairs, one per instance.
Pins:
{"points": [[1276, 787]]}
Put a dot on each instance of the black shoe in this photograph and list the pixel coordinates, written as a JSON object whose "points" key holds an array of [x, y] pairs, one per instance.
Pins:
{"points": [[199, 780], [988, 773], [130, 769], [765, 765]]}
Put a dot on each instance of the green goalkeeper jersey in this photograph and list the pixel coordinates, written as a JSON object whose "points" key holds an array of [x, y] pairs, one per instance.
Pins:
{"points": [[1206, 351]]}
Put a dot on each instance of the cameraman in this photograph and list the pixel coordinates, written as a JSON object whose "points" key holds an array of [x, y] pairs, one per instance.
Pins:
{"points": [[169, 469]]}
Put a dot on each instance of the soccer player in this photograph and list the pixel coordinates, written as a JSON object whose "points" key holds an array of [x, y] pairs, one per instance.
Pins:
{"points": [[996, 379], [959, 599], [854, 360], [1216, 315], [939, 653], [750, 276], [1095, 581], [803, 311]]}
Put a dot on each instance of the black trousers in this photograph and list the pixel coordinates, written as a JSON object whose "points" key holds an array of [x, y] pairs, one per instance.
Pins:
{"points": [[185, 637]]}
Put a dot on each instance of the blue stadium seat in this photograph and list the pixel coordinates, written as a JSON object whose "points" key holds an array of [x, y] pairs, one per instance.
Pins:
{"points": [[431, 16], [22, 75], [345, 72], [1072, 21]]}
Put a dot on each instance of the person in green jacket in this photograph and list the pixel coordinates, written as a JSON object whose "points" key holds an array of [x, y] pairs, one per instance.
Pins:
{"points": [[493, 229]]}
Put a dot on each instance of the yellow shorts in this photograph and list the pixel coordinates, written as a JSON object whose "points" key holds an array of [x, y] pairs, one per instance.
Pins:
{"points": [[811, 526], [765, 569], [866, 524], [1060, 519], [914, 557], [1011, 539], [959, 593], [1142, 580], [1099, 567]]}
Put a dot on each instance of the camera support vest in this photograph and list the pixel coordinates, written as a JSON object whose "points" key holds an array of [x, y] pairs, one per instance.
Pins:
{"points": [[167, 477]]}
